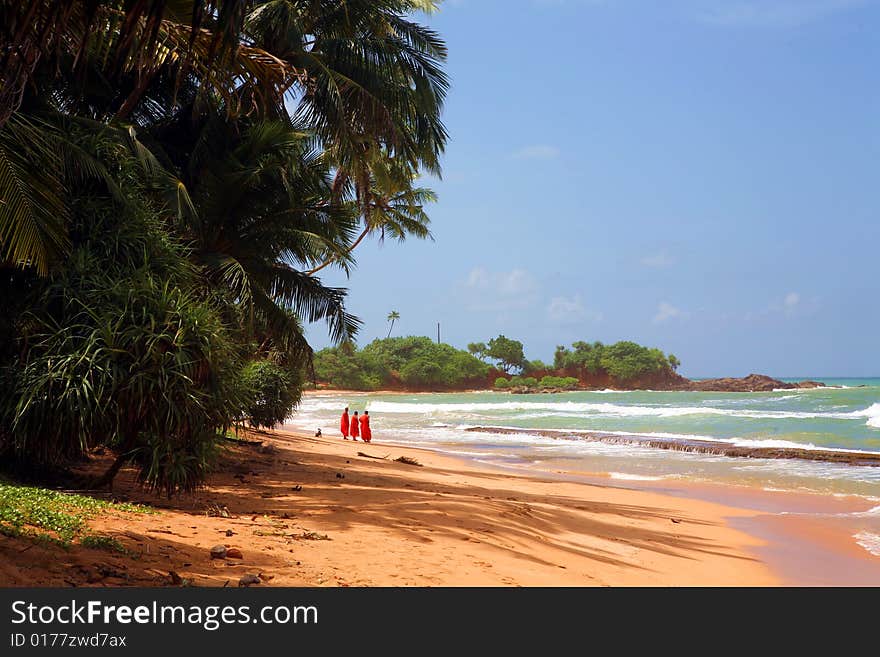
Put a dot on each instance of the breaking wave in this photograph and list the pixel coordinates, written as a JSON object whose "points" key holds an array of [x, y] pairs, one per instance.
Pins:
{"points": [[872, 413]]}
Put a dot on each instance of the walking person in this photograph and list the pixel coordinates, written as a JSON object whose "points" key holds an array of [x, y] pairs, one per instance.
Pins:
{"points": [[353, 427], [366, 433], [344, 424]]}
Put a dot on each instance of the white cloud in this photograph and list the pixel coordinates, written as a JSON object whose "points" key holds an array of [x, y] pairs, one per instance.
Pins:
{"points": [[661, 259], [775, 13], [516, 282], [562, 310], [537, 152], [510, 290], [791, 303], [665, 312], [478, 277]]}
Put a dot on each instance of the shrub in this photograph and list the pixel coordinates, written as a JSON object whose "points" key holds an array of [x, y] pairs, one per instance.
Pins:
{"points": [[422, 372], [273, 393], [415, 361], [501, 382], [120, 349], [627, 360]]}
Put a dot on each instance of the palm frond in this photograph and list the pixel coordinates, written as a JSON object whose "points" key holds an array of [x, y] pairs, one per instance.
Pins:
{"points": [[33, 230]]}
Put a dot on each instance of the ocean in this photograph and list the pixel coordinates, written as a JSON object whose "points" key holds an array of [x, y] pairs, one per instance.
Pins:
{"points": [[557, 433]]}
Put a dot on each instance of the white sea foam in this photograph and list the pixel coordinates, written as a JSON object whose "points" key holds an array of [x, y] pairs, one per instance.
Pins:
{"points": [[869, 541], [663, 435], [873, 415], [310, 405], [632, 477], [617, 410], [870, 513]]}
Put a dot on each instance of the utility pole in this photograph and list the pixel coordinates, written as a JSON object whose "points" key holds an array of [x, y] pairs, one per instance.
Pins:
{"points": [[438, 332]]}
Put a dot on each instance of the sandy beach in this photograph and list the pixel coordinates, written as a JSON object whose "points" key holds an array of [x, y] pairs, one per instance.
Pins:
{"points": [[308, 511]]}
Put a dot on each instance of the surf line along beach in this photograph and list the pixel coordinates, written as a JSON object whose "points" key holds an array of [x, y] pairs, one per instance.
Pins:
{"points": [[297, 510], [796, 458]]}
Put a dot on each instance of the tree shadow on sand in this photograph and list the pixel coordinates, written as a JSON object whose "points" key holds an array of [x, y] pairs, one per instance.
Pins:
{"points": [[286, 494]]}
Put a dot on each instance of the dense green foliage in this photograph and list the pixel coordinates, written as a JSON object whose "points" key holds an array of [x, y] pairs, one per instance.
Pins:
{"points": [[506, 352], [273, 392], [421, 364], [622, 360], [546, 382], [119, 348], [533, 366], [415, 362], [567, 382], [172, 177]]}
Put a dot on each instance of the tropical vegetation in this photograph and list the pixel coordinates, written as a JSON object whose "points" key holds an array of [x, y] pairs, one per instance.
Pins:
{"points": [[418, 363], [623, 360], [174, 176], [410, 362]]}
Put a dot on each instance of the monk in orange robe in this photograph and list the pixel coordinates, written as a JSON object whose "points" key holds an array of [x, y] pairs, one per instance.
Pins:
{"points": [[343, 424], [353, 427], [366, 433]]}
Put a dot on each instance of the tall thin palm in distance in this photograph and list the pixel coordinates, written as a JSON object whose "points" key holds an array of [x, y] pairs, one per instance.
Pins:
{"points": [[393, 316]]}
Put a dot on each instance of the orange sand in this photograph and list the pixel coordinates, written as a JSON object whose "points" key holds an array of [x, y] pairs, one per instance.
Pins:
{"points": [[448, 523]]}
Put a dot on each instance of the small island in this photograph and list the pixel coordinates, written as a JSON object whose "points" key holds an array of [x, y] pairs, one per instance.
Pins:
{"points": [[418, 364]]}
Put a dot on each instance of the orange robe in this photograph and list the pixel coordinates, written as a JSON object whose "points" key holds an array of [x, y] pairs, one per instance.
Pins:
{"points": [[354, 426], [366, 434], [343, 425]]}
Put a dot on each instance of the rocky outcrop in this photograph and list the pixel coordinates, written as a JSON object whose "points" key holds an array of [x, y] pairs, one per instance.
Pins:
{"points": [[750, 383], [525, 390], [667, 380], [700, 446], [672, 381]]}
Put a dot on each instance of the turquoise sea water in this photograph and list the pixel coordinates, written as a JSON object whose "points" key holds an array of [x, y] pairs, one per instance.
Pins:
{"points": [[843, 417]]}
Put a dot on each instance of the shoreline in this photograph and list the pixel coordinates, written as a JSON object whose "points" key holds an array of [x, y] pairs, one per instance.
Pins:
{"points": [[716, 554], [308, 511], [853, 457], [805, 538]]}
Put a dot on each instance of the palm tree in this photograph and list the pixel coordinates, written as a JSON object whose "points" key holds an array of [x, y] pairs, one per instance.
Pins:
{"points": [[251, 200], [393, 316], [259, 140], [99, 60], [389, 206], [362, 76], [372, 76], [130, 44]]}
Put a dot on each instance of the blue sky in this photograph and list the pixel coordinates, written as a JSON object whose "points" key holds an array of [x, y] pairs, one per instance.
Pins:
{"points": [[695, 175]]}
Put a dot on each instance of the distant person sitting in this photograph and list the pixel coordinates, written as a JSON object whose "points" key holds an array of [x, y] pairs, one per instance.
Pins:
{"points": [[343, 424], [366, 433], [318, 433], [353, 427]]}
